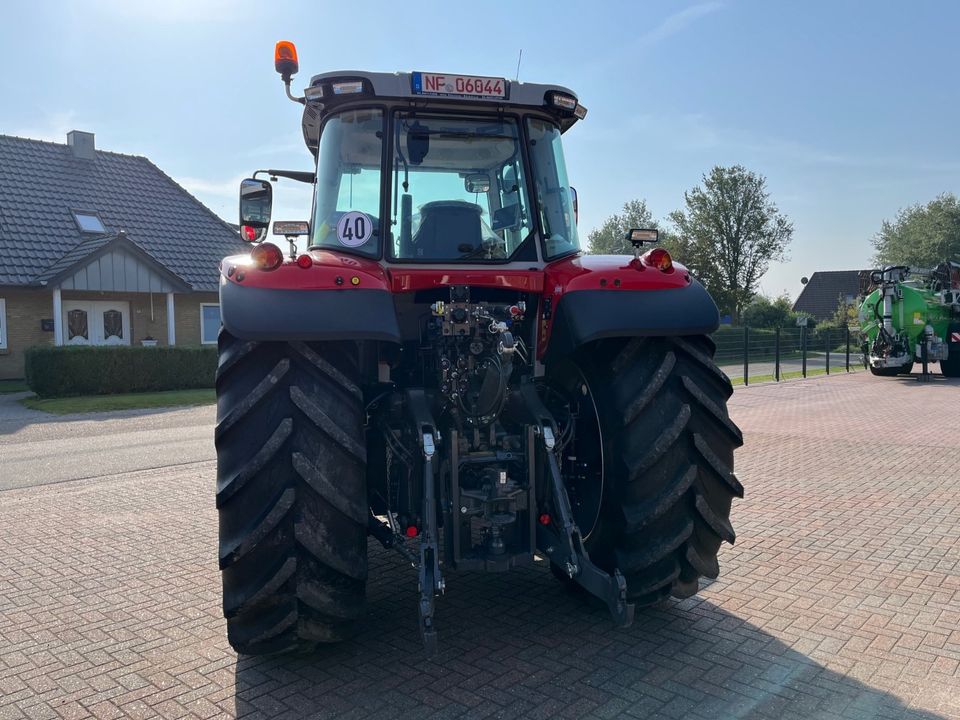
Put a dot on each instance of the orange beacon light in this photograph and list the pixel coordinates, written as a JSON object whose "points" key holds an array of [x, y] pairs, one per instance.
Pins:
{"points": [[285, 59]]}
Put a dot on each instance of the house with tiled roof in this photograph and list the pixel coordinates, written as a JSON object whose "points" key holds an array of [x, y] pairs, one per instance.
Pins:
{"points": [[825, 290], [100, 248]]}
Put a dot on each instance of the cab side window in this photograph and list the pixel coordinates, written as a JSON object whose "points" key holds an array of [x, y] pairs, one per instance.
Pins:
{"points": [[347, 208]]}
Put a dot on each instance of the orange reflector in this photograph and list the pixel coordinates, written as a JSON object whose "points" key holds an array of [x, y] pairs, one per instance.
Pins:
{"points": [[267, 256], [285, 58], [659, 258]]}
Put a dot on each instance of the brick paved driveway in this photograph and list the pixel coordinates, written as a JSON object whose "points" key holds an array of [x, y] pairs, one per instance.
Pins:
{"points": [[840, 599]]}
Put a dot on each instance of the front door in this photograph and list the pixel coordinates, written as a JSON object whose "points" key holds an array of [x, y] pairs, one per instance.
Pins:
{"points": [[96, 322]]}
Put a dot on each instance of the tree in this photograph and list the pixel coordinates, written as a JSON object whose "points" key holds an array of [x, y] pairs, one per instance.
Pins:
{"points": [[732, 231], [846, 313], [611, 237], [762, 312], [921, 235]]}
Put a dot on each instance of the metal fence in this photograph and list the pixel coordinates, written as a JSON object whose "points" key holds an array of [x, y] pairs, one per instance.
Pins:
{"points": [[749, 355]]}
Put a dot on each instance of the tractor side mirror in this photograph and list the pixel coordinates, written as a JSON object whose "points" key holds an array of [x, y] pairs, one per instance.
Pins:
{"points": [[256, 203], [576, 205]]}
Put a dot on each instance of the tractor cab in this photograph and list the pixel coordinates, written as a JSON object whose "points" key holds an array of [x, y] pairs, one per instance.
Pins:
{"points": [[438, 168]]}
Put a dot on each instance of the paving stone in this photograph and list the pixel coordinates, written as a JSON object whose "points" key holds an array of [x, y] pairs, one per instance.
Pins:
{"points": [[841, 598]]}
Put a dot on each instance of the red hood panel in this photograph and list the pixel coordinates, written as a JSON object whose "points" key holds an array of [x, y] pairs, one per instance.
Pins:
{"points": [[330, 271], [610, 272]]}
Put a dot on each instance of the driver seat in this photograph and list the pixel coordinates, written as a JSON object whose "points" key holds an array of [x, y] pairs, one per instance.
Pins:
{"points": [[445, 225]]}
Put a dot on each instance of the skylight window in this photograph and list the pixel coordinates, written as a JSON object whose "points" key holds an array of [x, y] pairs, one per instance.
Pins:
{"points": [[89, 222]]}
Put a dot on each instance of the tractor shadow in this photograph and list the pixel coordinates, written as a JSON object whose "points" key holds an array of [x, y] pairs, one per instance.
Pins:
{"points": [[519, 645], [914, 378]]}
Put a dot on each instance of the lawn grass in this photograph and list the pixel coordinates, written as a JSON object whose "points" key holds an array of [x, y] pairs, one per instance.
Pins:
{"points": [[12, 386], [130, 401], [792, 375]]}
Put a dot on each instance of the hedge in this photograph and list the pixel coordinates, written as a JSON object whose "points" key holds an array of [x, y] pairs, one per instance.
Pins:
{"points": [[65, 371]]}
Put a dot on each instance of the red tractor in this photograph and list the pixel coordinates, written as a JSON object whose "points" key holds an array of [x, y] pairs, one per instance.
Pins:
{"points": [[443, 369]]}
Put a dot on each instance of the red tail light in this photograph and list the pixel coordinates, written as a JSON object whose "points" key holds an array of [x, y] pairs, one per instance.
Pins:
{"points": [[267, 256], [658, 258], [305, 261], [248, 233]]}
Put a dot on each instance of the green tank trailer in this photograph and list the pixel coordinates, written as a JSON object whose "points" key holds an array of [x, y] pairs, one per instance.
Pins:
{"points": [[911, 315]]}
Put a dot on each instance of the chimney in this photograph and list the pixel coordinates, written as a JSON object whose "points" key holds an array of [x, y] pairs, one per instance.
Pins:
{"points": [[81, 143]]}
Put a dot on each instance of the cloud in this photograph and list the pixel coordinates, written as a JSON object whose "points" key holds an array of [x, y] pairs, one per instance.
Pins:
{"points": [[677, 22], [53, 127], [279, 146], [668, 27], [216, 188], [698, 133]]}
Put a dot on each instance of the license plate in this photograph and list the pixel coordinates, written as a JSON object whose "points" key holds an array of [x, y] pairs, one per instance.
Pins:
{"points": [[459, 86]]}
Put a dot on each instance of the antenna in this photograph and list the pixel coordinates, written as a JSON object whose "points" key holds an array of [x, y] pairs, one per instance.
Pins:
{"points": [[517, 78]]}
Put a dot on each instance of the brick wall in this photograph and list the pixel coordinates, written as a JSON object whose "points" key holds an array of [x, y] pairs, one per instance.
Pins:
{"points": [[148, 317], [187, 310], [25, 309]]}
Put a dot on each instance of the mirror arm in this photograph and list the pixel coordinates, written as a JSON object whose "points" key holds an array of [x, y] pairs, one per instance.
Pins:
{"points": [[298, 175], [286, 86]]}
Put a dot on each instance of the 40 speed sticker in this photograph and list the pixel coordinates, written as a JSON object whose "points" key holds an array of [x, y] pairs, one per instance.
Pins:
{"points": [[354, 229]]}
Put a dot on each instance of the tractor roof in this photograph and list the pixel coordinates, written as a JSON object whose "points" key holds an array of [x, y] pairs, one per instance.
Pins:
{"points": [[330, 90]]}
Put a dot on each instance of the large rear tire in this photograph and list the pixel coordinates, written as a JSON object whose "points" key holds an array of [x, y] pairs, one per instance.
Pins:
{"points": [[291, 492], [667, 482]]}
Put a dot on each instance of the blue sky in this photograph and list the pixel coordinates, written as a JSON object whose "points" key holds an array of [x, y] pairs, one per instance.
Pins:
{"points": [[850, 109]]}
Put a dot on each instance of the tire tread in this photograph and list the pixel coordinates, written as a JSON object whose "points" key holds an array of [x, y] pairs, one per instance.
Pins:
{"points": [[670, 443], [290, 493]]}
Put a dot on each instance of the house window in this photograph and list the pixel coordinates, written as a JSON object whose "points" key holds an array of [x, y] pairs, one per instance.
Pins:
{"points": [[89, 222], [209, 323], [3, 324], [77, 325]]}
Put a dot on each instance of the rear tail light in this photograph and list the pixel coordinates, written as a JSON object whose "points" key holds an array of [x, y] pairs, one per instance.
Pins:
{"points": [[267, 256], [305, 261], [248, 233], [658, 258]]}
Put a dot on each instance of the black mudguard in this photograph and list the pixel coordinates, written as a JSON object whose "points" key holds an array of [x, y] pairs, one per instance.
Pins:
{"points": [[583, 316], [278, 314]]}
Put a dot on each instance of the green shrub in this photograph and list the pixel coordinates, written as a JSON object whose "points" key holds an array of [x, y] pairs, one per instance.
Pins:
{"points": [[65, 371]]}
